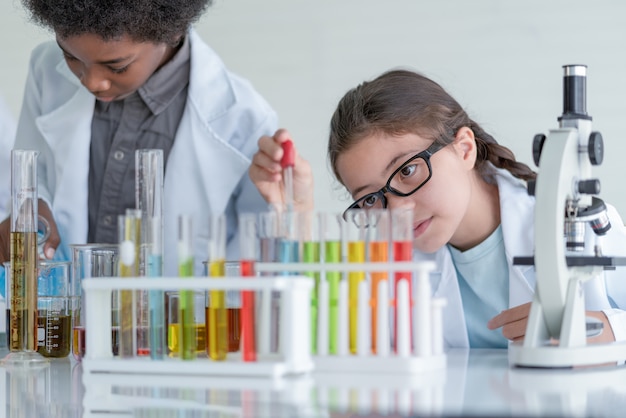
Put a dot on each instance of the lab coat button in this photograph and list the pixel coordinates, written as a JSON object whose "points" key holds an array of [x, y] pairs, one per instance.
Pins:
{"points": [[118, 155]]}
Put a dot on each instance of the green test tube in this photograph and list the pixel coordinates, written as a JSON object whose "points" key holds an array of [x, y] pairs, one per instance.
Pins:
{"points": [[331, 233], [309, 236]]}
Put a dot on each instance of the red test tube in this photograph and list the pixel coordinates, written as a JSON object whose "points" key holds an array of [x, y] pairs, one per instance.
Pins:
{"points": [[402, 239], [248, 248], [287, 162]]}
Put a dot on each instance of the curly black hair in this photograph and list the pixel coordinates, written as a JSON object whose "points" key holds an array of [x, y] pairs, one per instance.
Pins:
{"points": [[156, 21]]}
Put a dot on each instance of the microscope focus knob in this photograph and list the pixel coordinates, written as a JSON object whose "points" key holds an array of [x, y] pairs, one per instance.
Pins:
{"points": [[538, 141], [595, 147], [589, 186]]}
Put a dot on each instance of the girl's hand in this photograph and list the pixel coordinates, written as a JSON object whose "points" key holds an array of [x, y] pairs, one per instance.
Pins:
{"points": [[267, 174], [513, 323]]}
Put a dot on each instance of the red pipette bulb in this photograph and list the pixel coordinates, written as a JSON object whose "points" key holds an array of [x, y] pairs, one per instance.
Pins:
{"points": [[289, 154]]}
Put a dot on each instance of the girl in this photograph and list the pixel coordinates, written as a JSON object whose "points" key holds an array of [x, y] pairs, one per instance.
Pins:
{"points": [[402, 141], [126, 75]]}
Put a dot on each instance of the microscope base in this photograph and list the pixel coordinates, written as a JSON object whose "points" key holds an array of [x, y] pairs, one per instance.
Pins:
{"points": [[554, 356]]}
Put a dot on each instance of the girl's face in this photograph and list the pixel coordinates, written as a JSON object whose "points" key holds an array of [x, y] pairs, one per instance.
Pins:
{"points": [[440, 205], [112, 70]]}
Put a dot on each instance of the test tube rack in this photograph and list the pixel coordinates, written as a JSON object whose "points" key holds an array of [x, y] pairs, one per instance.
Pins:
{"points": [[293, 358], [419, 339]]}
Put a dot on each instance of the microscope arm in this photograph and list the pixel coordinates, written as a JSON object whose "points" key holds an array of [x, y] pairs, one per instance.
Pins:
{"points": [[559, 168]]}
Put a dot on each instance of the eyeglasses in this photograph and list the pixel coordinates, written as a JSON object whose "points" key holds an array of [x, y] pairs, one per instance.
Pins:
{"points": [[403, 182]]}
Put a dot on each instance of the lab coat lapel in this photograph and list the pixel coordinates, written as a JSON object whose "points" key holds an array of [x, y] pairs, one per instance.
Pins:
{"points": [[67, 130], [200, 144], [207, 168], [516, 218]]}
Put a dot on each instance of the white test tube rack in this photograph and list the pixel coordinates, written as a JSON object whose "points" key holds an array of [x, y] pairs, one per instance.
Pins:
{"points": [[419, 339], [293, 358]]}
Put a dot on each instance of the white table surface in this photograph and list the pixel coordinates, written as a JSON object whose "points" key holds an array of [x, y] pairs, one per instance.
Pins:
{"points": [[474, 383]]}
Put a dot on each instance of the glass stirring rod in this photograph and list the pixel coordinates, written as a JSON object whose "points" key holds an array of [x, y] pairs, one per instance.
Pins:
{"points": [[287, 162]]}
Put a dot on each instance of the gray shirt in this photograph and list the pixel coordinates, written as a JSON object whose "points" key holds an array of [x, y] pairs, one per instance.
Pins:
{"points": [[148, 118]]}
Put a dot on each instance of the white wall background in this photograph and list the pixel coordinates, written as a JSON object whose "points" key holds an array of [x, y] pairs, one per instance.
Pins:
{"points": [[501, 59]]}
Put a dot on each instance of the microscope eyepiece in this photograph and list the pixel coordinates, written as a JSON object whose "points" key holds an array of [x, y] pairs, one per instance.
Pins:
{"points": [[575, 92]]}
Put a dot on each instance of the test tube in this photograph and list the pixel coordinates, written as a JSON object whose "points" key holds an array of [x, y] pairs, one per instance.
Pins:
{"points": [[23, 256], [268, 243], [174, 327], [187, 328], [379, 234], [288, 252], [149, 199], [248, 245], [216, 315], [332, 230], [233, 307], [402, 238], [309, 236], [129, 233], [355, 238], [287, 162]]}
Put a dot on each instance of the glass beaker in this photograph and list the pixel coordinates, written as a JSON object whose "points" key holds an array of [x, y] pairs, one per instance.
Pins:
{"points": [[55, 300], [92, 260]]}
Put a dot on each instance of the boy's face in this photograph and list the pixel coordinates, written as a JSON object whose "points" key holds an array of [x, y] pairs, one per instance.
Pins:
{"points": [[114, 69]]}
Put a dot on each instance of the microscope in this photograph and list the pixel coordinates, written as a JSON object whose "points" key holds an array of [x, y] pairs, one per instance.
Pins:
{"points": [[566, 202]]}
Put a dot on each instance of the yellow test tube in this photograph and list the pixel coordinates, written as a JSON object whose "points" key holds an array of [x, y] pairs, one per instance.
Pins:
{"points": [[216, 312], [129, 233], [355, 236]]}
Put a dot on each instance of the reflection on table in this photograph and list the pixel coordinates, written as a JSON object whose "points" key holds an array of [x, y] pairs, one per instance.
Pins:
{"points": [[475, 383]]}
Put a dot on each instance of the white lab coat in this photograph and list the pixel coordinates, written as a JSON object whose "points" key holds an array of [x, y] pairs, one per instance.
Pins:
{"points": [[517, 217], [207, 167], [7, 137]]}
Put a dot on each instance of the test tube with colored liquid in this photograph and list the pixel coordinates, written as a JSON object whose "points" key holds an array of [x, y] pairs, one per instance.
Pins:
{"points": [[402, 239], [331, 228], [248, 254], [216, 314], [186, 306], [379, 234], [309, 236], [149, 199], [129, 233], [356, 228], [233, 308]]}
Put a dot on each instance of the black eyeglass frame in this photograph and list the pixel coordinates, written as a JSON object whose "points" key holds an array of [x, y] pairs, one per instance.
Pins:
{"points": [[424, 155]]}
